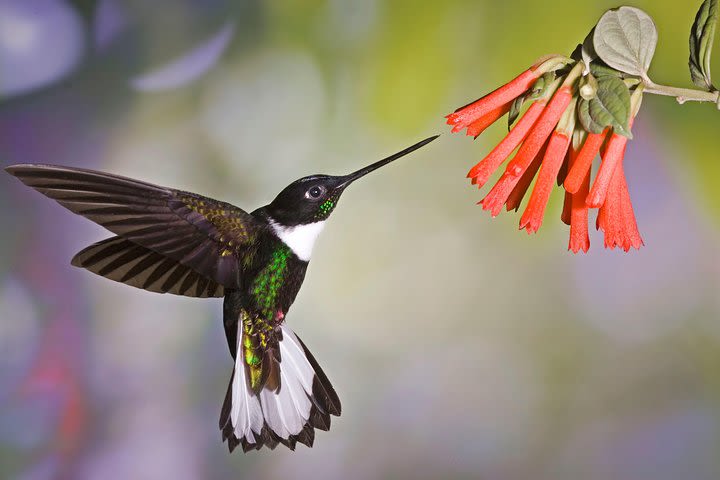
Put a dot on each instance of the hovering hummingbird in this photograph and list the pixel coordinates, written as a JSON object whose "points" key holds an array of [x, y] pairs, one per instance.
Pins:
{"points": [[170, 241]]}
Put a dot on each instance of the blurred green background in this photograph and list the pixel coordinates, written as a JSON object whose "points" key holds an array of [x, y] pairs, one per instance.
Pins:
{"points": [[460, 347]]}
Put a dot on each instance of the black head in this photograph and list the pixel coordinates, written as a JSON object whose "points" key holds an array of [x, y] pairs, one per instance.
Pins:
{"points": [[312, 199]]}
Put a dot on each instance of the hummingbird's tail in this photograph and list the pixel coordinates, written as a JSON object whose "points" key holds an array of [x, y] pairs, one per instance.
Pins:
{"points": [[285, 411]]}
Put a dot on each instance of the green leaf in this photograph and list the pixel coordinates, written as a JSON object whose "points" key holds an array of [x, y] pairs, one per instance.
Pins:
{"points": [[625, 40], [588, 123], [702, 35], [601, 70], [514, 112], [610, 108]]}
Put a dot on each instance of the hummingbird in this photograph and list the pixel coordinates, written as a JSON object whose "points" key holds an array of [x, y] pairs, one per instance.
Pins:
{"points": [[182, 243]]}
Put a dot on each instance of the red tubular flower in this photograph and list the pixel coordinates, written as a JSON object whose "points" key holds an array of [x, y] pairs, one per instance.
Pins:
{"points": [[479, 125], [554, 156], [616, 217], [528, 150], [611, 158], [464, 116], [540, 131], [518, 193], [581, 167], [481, 172], [578, 211], [542, 137]]}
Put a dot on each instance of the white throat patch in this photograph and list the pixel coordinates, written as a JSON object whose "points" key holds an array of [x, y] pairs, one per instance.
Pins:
{"points": [[300, 238]]}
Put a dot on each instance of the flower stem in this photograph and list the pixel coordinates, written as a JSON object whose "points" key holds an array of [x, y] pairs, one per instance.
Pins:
{"points": [[682, 95]]}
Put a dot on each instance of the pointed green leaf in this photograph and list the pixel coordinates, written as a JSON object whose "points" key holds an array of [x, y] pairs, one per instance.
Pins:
{"points": [[702, 35], [514, 112], [625, 40], [601, 70], [583, 113], [609, 108]]}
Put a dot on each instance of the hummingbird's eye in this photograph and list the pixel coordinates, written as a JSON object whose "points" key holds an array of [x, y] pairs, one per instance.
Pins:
{"points": [[315, 192]]}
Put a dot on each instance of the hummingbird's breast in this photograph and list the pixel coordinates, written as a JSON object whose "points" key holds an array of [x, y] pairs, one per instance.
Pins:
{"points": [[277, 281]]}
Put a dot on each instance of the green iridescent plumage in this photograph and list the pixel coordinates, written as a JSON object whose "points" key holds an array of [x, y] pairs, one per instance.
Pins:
{"points": [[326, 208], [257, 329], [268, 282], [254, 343]]}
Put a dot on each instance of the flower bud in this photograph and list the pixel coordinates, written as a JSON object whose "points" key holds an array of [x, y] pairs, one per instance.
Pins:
{"points": [[588, 87]]}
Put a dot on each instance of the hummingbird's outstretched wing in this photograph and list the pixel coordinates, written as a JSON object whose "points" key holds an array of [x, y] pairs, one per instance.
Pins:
{"points": [[126, 262], [210, 237]]}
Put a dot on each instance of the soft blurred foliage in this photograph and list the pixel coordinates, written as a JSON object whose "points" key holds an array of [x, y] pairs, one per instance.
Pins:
{"points": [[460, 347]]}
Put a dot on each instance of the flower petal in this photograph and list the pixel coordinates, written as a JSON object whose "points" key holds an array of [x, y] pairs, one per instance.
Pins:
{"points": [[581, 166], [617, 218], [481, 172], [554, 156], [479, 125], [610, 159], [612, 155], [579, 237], [518, 193], [528, 151], [540, 131], [464, 116]]}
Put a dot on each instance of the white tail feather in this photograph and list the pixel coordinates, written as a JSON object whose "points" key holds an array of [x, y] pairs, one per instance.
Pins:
{"points": [[246, 414], [291, 351], [286, 410]]}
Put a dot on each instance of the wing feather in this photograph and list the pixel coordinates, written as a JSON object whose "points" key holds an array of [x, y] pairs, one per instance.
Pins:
{"points": [[122, 261], [208, 236]]}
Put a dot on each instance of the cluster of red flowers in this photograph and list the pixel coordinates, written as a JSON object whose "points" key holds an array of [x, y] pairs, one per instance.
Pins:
{"points": [[552, 145]]}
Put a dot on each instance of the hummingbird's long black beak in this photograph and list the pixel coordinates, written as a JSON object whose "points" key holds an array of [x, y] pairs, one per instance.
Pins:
{"points": [[348, 179]]}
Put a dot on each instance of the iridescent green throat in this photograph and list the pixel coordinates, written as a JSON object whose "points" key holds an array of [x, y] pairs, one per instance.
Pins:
{"points": [[325, 209]]}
